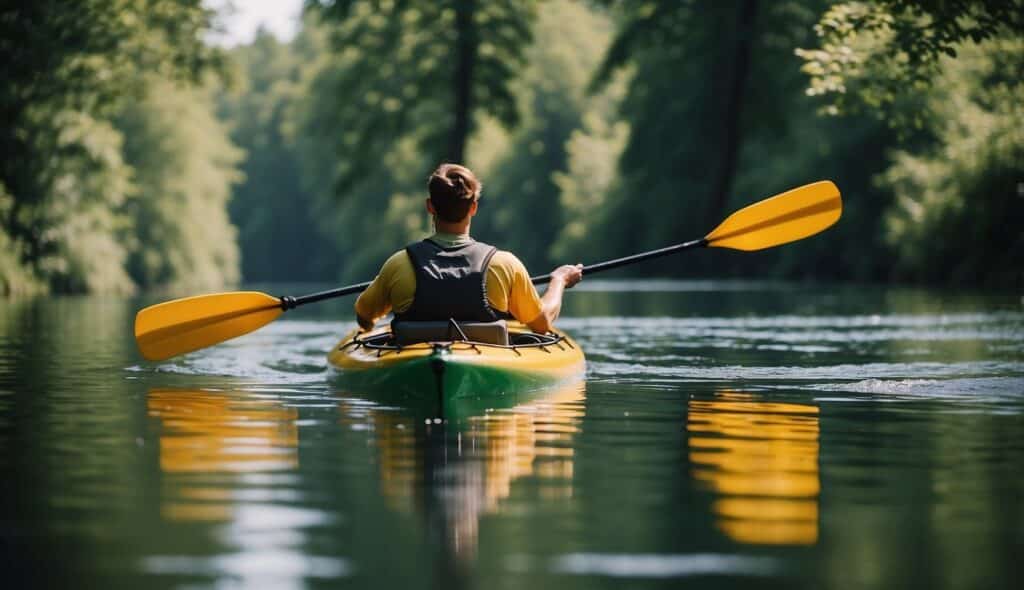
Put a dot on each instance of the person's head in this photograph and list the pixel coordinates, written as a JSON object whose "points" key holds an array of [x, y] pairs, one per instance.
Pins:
{"points": [[454, 191]]}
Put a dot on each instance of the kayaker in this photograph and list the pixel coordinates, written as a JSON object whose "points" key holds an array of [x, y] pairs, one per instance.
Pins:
{"points": [[451, 275]]}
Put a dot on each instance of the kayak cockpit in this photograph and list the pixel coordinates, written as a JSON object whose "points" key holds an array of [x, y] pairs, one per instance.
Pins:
{"points": [[412, 332], [389, 341]]}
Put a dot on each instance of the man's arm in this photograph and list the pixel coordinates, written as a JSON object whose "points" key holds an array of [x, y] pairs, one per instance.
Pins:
{"points": [[562, 278], [375, 302], [372, 304]]}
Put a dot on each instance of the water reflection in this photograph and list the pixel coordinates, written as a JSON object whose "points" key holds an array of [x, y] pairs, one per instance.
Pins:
{"points": [[207, 431], [211, 432], [226, 456], [761, 459], [454, 473]]}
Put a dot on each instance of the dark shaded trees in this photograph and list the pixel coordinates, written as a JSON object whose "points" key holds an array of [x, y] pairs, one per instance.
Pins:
{"points": [[735, 85], [278, 234], [423, 70]]}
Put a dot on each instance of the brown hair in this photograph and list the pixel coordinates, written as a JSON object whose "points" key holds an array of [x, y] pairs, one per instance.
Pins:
{"points": [[453, 189]]}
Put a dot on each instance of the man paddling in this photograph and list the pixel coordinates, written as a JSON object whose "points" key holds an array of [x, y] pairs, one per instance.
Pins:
{"points": [[451, 275]]}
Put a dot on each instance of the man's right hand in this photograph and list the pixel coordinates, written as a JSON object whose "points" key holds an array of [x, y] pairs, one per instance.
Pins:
{"points": [[365, 325], [568, 274], [562, 278]]}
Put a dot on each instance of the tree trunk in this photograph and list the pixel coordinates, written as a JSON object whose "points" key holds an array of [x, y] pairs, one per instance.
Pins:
{"points": [[736, 89], [465, 62]]}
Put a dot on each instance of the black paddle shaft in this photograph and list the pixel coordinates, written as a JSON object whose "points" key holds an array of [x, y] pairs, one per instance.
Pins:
{"points": [[627, 260], [288, 302]]}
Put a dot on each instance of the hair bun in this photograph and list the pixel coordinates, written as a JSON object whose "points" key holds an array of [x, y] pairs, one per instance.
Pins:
{"points": [[453, 189], [459, 184]]}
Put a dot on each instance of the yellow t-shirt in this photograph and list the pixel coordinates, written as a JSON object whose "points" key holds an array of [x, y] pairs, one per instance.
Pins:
{"points": [[509, 288]]}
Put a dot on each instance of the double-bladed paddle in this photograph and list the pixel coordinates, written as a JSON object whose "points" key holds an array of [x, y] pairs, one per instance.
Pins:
{"points": [[175, 327]]}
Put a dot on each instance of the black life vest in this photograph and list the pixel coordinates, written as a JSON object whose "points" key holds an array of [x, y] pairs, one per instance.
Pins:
{"points": [[451, 283]]}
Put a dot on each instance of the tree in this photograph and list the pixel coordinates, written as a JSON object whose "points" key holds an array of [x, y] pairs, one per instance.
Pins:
{"points": [[382, 108], [279, 236], [420, 69], [522, 211], [957, 217], [183, 166], [878, 54], [664, 38], [945, 77], [685, 140], [68, 69], [590, 178]]}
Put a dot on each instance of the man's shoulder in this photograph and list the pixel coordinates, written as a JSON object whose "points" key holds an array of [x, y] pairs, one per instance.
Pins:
{"points": [[506, 259], [505, 256], [396, 262]]}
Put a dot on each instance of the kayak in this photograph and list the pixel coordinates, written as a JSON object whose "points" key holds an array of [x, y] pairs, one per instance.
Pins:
{"points": [[456, 370]]}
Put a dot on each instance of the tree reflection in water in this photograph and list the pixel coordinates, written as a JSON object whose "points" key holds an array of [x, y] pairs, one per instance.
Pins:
{"points": [[230, 458], [761, 460], [456, 472]]}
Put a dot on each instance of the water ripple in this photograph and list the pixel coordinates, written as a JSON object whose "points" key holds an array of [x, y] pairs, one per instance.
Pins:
{"points": [[658, 565]]}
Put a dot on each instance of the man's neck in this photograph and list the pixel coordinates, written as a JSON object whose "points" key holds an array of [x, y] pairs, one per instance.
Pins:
{"points": [[446, 227]]}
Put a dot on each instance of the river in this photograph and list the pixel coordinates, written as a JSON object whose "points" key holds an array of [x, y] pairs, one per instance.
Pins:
{"points": [[727, 434]]}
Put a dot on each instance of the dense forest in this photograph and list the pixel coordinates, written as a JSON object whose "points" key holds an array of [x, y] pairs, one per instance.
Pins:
{"points": [[137, 155]]}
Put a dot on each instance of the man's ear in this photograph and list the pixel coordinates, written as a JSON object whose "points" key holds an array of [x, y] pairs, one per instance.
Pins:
{"points": [[473, 207], [430, 207]]}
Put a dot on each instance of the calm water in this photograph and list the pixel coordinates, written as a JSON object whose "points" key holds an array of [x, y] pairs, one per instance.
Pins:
{"points": [[727, 435]]}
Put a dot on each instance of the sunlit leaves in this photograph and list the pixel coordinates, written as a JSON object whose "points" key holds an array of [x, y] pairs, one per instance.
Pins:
{"points": [[878, 53], [520, 167], [957, 214], [184, 167], [69, 70]]}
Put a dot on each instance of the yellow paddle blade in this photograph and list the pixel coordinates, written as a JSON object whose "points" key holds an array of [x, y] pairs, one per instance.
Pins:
{"points": [[183, 325], [786, 217]]}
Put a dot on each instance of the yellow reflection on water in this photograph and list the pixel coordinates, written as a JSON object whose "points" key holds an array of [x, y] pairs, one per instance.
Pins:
{"points": [[219, 432], [761, 459], [456, 473]]}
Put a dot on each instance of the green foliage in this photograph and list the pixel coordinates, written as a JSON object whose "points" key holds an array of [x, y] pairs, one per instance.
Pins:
{"points": [[69, 237], [84, 54], [398, 93], [590, 178], [787, 144], [279, 235], [882, 54], [378, 211], [599, 129], [72, 197], [420, 69], [672, 167], [15, 277], [82, 247], [184, 167], [520, 177], [958, 213]]}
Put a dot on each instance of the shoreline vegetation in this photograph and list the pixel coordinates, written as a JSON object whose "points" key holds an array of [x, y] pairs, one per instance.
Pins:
{"points": [[138, 157]]}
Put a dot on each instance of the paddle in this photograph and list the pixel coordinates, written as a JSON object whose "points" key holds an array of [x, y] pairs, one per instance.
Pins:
{"points": [[787, 217], [183, 325]]}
